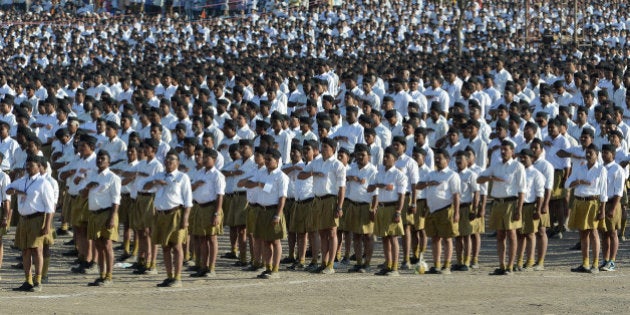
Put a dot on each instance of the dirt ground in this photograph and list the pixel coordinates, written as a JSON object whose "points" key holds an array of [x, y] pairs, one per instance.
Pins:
{"points": [[553, 291]]}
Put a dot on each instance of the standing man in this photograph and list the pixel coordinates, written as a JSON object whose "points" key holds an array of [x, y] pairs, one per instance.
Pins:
{"points": [[590, 189], [362, 205], [173, 200], [443, 199], [612, 222], [103, 193], [36, 206], [392, 184], [5, 207], [508, 192], [329, 187], [469, 198], [208, 189], [532, 210], [270, 223]]}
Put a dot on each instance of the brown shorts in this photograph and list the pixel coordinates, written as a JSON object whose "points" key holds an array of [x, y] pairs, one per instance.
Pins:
{"points": [[502, 214], [79, 211], [324, 210], [384, 224], [614, 223], [440, 223], [530, 225], [125, 210], [167, 231], [238, 215], [265, 229], [144, 213], [97, 226], [202, 225], [300, 216], [358, 217], [584, 215], [28, 233]]}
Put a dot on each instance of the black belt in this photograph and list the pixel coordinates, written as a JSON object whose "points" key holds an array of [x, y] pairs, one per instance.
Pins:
{"points": [[528, 203], [508, 199], [272, 207], [254, 205], [99, 211], [205, 204], [587, 198], [74, 196], [34, 215], [308, 200], [442, 208], [357, 203], [169, 211], [145, 194], [389, 204], [464, 205], [238, 193], [125, 195], [325, 197]]}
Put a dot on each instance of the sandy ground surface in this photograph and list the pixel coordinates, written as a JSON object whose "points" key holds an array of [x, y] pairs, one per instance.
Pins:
{"points": [[553, 291]]}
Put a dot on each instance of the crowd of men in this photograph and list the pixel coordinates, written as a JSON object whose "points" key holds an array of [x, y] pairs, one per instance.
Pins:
{"points": [[325, 126]]}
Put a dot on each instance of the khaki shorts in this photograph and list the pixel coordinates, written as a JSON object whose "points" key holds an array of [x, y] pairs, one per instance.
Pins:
{"points": [[300, 216], [358, 217], [125, 210], [97, 226], [167, 231], [252, 217], [545, 220], [202, 225], [419, 218], [502, 214], [144, 214], [227, 212], [324, 210], [464, 224], [530, 225], [440, 223], [614, 223], [584, 215], [265, 229], [79, 211], [558, 191], [28, 233], [384, 224], [238, 215], [408, 217], [66, 208]]}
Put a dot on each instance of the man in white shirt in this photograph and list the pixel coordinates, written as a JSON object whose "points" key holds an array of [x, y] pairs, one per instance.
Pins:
{"points": [[442, 188], [532, 207], [208, 189], [173, 200], [329, 186], [103, 193], [589, 185], [469, 198], [36, 206], [508, 191], [616, 180]]}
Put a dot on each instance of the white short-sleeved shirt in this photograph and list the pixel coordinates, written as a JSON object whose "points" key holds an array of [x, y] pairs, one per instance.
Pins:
{"points": [[513, 174], [213, 185], [468, 184], [39, 195], [151, 168], [334, 176], [409, 167], [392, 176], [177, 191], [535, 185], [546, 169], [557, 144], [276, 186], [357, 192], [107, 193], [441, 196], [596, 176], [615, 180]]}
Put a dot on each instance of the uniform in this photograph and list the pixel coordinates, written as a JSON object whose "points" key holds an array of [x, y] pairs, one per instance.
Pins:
{"points": [[506, 193], [384, 225], [143, 216], [170, 201], [204, 202], [101, 199], [469, 186], [358, 210], [587, 197], [276, 186], [439, 222], [535, 188], [325, 189]]}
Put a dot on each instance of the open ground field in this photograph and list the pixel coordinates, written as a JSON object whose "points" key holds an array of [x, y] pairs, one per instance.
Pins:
{"points": [[233, 291]]}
